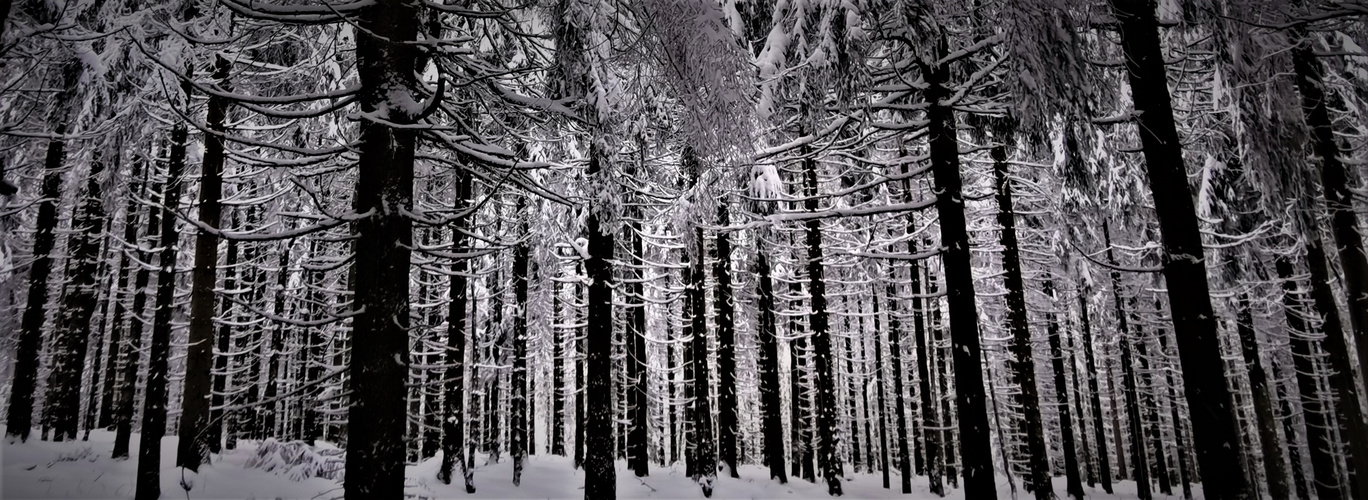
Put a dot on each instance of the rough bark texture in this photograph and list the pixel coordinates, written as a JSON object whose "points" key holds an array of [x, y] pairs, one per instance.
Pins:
{"points": [[1213, 420], [1023, 365], [1273, 458], [772, 424], [384, 189], [154, 397], [193, 447], [599, 476], [970, 401]]}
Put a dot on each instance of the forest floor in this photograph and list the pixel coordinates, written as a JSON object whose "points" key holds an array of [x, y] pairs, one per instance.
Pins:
{"points": [[83, 469]]}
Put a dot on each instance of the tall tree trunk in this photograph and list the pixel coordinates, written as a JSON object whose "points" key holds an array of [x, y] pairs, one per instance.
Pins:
{"points": [[78, 308], [1273, 457], [924, 376], [109, 401], [128, 388], [599, 476], [1345, 227], [581, 358], [975, 450], [1180, 448], [1213, 420], [558, 386], [223, 362], [1136, 428], [880, 391], [1150, 401], [771, 404], [154, 397], [637, 437], [828, 435], [799, 410], [384, 189], [726, 345], [1099, 434], [193, 447], [1290, 430], [24, 378], [519, 397], [1023, 365], [1074, 483], [705, 448]]}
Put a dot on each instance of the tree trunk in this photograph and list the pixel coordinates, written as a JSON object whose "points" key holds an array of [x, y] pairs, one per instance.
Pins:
{"points": [[519, 396], [384, 188], [1099, 434], [704, 447], [637, 437], [771, 405], [1074, 486], [1136, 428], [1345, 226], [558, 386], [1023, 366], [1180, 452], [193, 447], [975, 450], [1273, 457], [223, 362], [924, 376], [19, 418], [827, 432], [109, 401], [154, 397], [78, 308], [1213, 421], [1150, 401], [726, 345], [599, 475], [123, 424], [880, 391]]}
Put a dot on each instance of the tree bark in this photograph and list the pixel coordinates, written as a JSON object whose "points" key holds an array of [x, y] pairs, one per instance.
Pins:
{"points": [[384, 189], [772, 407], [1213, 420], [78, 308], [193, 447], [975, 450], [1273, 458], [726, 345], [154, 397], [519, 396], [1074, 483], [123, 422], [638, 437], [828, 436], [1099, 434], [1023, 366], [599, 476]]}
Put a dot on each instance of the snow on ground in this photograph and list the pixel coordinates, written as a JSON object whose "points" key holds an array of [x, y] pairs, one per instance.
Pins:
{"points": [[39, 469]]}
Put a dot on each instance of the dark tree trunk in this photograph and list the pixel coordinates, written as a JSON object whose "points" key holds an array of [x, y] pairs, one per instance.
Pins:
{"points": [[154, 397], [519, 397], [277, 347], [1345, 226], [1213, 420], [637, 437], [690, 437], [770, 401], [599, 476], [828, 436], [581, 358], [881, 392], [1136, 427], [558, 387], [1023, 366], [726, 345], [132, 350], [78, 308], [1290, 430], [109, 401], [223, 362], [19, 418], [1074, 486], [1180, 451], [942, 357], [975, 450], [1273, 457], [1149, 400], [384, 186], [193, 447], [930, 437], [801, 452], [1099, 434], [704, 447]]}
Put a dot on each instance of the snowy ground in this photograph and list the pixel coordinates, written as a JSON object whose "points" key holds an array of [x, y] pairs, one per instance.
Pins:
{"points": [[84, 470]]}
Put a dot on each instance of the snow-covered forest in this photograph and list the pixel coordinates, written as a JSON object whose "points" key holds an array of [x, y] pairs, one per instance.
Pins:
{"points": [[975, 249]]}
